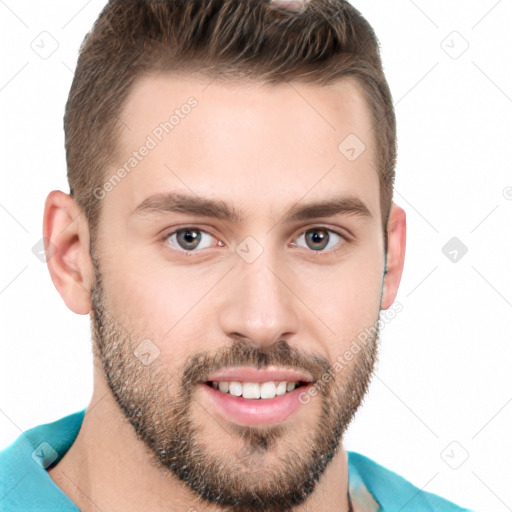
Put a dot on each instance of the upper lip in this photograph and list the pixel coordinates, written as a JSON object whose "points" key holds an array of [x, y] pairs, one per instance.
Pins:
{"points": [[250, 374]]}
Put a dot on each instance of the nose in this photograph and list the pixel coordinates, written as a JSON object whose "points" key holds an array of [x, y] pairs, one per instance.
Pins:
{"points": [[259, 303]]}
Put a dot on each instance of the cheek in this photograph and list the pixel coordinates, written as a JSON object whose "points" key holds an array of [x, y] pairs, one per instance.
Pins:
{"points": [[346, 296], [167, 304], [344, 304]]}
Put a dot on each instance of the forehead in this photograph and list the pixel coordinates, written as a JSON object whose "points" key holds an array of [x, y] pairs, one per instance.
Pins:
{"points": [[266, 145]]}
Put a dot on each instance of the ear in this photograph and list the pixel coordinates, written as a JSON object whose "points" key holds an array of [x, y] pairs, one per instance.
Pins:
{"points": [[395, 255], [66, 237]]}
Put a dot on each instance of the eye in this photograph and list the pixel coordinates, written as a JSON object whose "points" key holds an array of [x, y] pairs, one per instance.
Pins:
{"points": [[321, 239], [190, 239]]}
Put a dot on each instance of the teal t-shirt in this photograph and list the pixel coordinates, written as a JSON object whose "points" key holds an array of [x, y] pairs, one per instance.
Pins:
{"points": [[26, 486]]}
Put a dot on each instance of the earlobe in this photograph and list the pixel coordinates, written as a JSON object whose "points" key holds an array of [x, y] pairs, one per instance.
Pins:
{"points": [[66, 233], [395, 257]]}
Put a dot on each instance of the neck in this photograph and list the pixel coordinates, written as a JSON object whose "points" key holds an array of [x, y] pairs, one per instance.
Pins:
{"points": [[108, 468]]}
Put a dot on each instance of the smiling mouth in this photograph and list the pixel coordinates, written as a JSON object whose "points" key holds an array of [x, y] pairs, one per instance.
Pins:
{"points": [[256, 390]]}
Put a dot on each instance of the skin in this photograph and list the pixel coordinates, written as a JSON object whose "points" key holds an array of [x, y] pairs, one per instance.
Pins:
{"points": [[261, 148]]}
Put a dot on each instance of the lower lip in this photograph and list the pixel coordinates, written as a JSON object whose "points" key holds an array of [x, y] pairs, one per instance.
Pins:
{"points": [[254, 411]]}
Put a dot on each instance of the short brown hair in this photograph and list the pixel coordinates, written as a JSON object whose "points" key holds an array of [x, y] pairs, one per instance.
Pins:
{"points": [[232, 39]]}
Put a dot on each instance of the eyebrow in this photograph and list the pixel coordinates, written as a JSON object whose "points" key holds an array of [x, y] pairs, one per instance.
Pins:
{"points": [[175, 202]]}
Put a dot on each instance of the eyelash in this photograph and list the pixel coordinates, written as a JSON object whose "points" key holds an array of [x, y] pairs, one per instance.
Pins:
{"points": [[345, 239]]}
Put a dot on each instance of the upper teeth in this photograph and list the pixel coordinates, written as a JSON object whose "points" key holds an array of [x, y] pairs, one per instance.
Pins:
{"points": [[255, 389]]}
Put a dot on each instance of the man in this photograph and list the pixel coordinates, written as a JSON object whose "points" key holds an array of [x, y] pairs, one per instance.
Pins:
{"points": [[231, 231]]}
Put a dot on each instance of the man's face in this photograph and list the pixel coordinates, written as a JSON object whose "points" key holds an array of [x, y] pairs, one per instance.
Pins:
{"points": [[187, 306]]}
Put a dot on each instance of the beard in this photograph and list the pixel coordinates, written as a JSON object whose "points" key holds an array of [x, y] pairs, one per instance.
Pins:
{"points": [[159, 407]]}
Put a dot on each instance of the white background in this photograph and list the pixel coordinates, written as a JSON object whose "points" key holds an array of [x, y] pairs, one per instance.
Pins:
{"points": [[443, 389]]}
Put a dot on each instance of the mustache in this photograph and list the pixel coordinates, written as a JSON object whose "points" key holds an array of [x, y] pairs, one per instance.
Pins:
{"points": [[242, 353]]}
